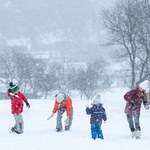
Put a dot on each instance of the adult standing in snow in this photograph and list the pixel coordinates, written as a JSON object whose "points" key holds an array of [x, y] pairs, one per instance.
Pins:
{"points": [[134, 99], [17, 98], [98, 113], [63, 103]]}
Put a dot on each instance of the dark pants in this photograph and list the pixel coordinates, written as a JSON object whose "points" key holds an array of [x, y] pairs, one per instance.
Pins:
{"points": [[133, 121], [96, 132], [59, 119]]}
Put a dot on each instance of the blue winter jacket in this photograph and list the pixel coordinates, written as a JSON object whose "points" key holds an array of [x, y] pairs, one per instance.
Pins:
{"points": [[97, 112]]}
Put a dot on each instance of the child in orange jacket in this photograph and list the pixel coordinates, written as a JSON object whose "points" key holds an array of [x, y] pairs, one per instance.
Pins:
{"points": [[63, 103]]}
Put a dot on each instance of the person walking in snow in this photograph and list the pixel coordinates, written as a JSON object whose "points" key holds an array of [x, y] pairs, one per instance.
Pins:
{"points": [[134, 99], [17, 98], [63, 103], [98, 113]]}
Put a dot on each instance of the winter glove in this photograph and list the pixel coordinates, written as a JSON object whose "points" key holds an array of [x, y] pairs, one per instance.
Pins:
{"points": [[27, 104], [67, 121], [50, 116], [146, 106], [133, 106]]}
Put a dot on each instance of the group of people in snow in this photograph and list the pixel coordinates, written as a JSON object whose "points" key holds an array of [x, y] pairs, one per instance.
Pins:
{"points": [[63, 103]]}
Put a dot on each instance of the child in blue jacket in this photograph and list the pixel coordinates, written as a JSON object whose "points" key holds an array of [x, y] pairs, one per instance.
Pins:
{"points": [[97, 112]]}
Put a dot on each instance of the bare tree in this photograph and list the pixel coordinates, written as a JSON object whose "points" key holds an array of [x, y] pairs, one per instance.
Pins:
{"points": [[92, 78], [125, 24], [23, 69], [144, 41], [50, 80], [7, 72], [80, 81]]}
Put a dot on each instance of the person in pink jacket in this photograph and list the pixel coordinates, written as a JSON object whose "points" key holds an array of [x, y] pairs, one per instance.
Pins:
{"points": [[17, 98], [134, 99]]}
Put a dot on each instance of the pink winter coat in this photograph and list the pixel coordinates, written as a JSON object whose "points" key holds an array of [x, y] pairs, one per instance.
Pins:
{"points": [[134, 99], [16, 102]]}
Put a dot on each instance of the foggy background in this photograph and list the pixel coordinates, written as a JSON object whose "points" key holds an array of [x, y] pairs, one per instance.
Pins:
{"points": [[59, 28], [80, 47]]}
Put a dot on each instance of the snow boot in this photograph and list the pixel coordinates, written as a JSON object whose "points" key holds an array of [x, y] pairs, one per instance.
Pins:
{"points": [[13, 130], [138, 135], [133, 134], [58, 130], [18, 132], [100, 134]]}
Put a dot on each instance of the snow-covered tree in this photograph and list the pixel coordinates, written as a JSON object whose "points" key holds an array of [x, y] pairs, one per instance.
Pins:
{"points": [[128, 25], [92, 78]]}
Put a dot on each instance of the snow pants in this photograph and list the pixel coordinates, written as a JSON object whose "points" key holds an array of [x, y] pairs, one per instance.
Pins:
{"points": [[19, 124], [134, 123], [59, 119], [96, 132]]}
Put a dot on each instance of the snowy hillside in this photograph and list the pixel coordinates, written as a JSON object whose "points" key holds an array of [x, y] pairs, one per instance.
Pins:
{"points": [[40, 134]]}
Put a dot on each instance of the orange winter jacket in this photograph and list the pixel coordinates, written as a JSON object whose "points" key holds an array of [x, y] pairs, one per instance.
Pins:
{"points": [[65, 104]]}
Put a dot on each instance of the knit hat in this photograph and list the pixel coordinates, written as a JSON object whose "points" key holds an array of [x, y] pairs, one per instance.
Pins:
{"points": [[97, 99], [144, 85], [60, 97], [13, 88]]}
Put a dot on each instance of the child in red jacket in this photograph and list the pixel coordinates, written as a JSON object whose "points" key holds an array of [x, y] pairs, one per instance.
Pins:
{"points": [[17, 98]]}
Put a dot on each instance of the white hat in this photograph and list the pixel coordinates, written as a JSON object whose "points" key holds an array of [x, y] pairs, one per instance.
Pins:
{"points": [[60, 97], [144, 85], [97, 99]]}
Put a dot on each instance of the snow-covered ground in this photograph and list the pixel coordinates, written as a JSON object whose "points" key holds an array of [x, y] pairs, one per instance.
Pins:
{"points": [[40, 133]]}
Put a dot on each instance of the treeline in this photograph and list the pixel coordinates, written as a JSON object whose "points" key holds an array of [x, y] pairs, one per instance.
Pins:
{"points": [[38, 77]]}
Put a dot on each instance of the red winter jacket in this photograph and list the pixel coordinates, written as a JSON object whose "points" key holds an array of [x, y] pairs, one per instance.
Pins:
{"points": [[134, 99], [16, 101], [65, 104]]}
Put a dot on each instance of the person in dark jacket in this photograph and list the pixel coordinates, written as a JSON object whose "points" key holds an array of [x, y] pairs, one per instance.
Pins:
{"points": [[17, 98], [97, 114], [134, 99]]}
